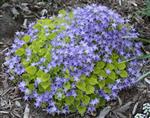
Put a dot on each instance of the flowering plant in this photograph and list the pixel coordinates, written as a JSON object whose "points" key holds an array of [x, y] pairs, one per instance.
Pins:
{"points": [[74, 61]]}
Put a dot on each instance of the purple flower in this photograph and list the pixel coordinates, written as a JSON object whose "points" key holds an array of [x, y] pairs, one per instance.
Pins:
{"points": [[107, 97], [26, 98], [65, 110], [94, 101], [76, 79], [11, 78], [22, 86], [39, 99], [33, 64], [28, 52], [91, 109], [52, 109], [108, 71], [37, 81], [37, 104], [42, 60]]}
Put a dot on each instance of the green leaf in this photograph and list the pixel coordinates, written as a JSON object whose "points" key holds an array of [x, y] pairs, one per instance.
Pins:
{"points": [[102, 102], [31, 86], [52, 26], [81, 109], [107, 90], [121, 66], [109, 81], [26, 38], [110, 66], [100, 64], [63, 12], [112, 75], [67, 74], [27, 78], [20, 51], [35, 47], [90, 89], [25, 63], [31, 70], [52, 36], [123, 74], [103, 74], [44, 105], [76, 102], [69, 100], [45, 85], [101, 84], [48, 56], [71, 15], [67, 40], [42, 51], [72, 108], [83, 77], [114, 56], [85, 100], [34, 58], [119, 27], [71, 68], [67, 86], [37, 26], [40, 73], [92, 80], [44, 76], [97, 70], [71, 79], [79, 94], [56, 70], [81, 85]]}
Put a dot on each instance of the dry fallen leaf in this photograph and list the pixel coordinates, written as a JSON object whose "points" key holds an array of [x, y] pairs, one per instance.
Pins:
{"points": [[124, 107], [104, 112], [26, 112]]}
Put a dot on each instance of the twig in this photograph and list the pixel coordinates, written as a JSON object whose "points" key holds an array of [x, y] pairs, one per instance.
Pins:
{"points": [[1, 43], [119, 100], [143, 76], [6, 91], [3, 51], [138, 57], [135, 107], [16, 99], [143, 40], [4, 112]]}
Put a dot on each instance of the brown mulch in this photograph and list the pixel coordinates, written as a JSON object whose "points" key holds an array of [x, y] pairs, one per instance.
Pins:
{"points": [[14, 14]]}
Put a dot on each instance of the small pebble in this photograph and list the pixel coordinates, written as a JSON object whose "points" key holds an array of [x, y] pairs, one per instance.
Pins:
{"points": [[17, 103]]}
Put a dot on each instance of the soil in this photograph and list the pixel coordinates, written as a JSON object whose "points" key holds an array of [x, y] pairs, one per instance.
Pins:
{"points": [[13, 13]]}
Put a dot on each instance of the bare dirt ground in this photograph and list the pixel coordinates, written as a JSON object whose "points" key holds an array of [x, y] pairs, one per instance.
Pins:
{"points": [[16, 14]]}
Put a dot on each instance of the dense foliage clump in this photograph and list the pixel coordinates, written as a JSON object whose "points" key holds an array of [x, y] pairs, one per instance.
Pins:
{"points": [[75, 61]]}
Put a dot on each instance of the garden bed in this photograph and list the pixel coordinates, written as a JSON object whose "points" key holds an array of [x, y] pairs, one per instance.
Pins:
{"points": [[18, 13]]}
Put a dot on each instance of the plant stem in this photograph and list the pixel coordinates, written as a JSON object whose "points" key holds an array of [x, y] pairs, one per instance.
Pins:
{"points": [[143, 76]]}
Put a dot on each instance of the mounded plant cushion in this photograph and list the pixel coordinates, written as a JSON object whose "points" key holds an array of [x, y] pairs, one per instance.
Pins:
{"points": [[74, 62]]}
